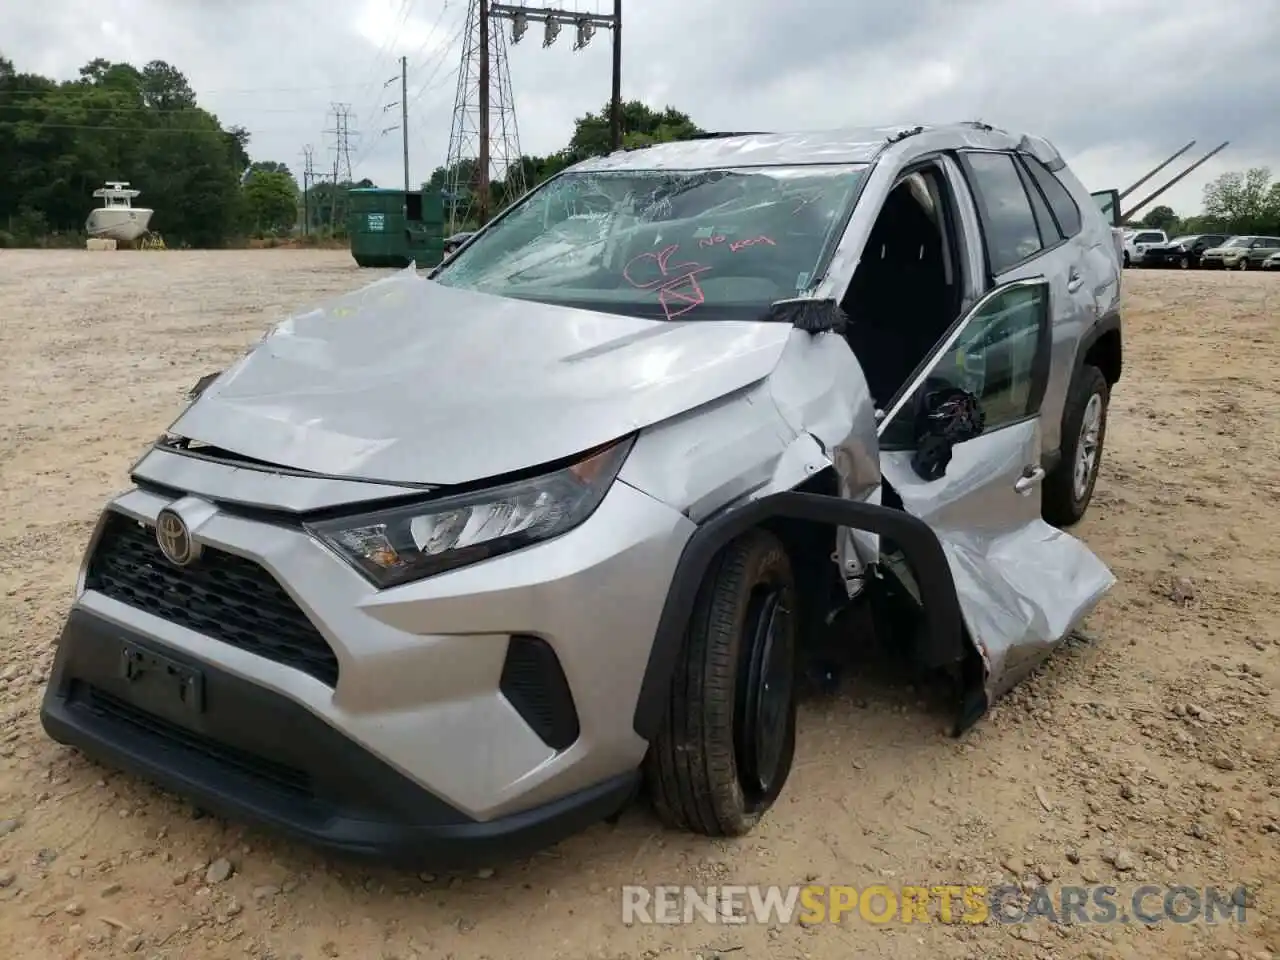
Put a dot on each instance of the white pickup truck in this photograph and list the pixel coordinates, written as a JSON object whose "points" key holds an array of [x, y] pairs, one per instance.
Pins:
{"points": [[1136, 243]]}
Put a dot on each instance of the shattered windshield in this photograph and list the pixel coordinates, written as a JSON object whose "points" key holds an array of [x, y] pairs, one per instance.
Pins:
{"points": [[664, 245]]}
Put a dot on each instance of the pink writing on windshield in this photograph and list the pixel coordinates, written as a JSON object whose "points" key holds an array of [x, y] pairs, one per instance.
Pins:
{"points": [[736, 245], [677, 284], [743, 244]]}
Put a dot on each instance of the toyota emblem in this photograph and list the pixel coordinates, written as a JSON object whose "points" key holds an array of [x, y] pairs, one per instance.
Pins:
{"points": [[175, 539]]}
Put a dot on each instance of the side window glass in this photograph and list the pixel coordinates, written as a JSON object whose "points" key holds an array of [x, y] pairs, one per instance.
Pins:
{"points": [[1040, 210], [1060, 200], [993, 359], [1008, 222]]}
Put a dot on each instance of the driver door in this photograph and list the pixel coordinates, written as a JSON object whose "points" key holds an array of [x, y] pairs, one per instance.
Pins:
{"points": [[1022, 584]]}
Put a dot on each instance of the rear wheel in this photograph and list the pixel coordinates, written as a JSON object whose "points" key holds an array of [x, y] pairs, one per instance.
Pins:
{"points": [[1069, 488], [729, 734]]}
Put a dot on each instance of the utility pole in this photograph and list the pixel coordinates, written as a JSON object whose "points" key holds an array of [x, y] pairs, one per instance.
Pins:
{"points": [[482, 184], [615, 100], [404, 116], [553, 19]]}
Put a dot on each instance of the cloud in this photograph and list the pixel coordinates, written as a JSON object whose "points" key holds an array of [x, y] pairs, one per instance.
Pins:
{"points": [[1117, 86]]}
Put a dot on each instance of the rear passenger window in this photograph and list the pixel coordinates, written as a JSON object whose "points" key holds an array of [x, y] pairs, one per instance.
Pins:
{"points": [[1060, 200], [1044, 219], [1007, 220]]}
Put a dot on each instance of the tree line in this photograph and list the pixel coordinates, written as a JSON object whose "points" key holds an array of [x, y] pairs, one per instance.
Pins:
{"points": [[1238, 202], [60, 141]]}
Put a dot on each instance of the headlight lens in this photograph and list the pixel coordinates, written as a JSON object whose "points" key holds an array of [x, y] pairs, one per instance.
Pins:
{"points": [[402, 544]]}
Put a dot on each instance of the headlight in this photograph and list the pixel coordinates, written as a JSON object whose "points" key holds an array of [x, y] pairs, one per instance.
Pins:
{"points": [[400, 544]]}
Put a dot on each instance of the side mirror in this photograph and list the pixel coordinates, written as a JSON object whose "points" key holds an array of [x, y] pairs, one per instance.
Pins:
{"points": [[944, 416]]}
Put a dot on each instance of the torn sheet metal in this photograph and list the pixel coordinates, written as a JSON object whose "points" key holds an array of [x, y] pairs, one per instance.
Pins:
{"points": [[1022, 594], [821, 392], [1023, 585]]}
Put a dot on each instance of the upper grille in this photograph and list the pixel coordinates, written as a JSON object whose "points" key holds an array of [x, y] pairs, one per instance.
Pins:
{"points": [[221, 595]]}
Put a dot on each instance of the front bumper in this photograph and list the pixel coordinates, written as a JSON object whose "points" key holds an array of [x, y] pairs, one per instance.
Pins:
{"points": [[252, 755], [455, 689]]}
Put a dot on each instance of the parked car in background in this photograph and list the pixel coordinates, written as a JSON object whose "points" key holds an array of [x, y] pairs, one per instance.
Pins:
{"points": [[1184, 251], [1241, 253], [1272, 262], [451, 244], [1138, 242]]}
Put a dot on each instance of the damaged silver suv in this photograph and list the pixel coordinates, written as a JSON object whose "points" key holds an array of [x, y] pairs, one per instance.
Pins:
{"points": [[447, 568]]}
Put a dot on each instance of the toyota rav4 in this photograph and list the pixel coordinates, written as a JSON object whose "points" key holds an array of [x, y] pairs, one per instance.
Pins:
{"points": [[452, 566]]}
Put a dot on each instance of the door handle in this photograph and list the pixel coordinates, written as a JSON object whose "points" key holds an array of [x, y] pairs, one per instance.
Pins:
{"points": [[1029, 480], [1074, 280]]}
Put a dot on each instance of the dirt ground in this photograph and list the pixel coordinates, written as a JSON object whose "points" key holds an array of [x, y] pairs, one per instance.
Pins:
{"points": [[1144, 752]]}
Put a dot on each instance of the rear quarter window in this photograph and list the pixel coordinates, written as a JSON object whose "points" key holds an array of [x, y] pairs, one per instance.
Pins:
{"points": [[1063, 205]]}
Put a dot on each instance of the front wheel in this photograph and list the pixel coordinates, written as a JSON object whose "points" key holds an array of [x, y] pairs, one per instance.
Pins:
{"points": [[728, 738], [1069, 488], [1243, 264], [1184, 262]]}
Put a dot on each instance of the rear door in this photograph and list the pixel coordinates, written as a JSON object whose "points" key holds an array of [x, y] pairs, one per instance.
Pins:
{"points": [[1262, 248], [1023, 238], [1022, 584]]}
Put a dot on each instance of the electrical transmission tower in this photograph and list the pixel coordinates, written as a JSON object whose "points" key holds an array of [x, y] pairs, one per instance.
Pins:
{"points": [[484, 144], [308, 178], [342, 134]]}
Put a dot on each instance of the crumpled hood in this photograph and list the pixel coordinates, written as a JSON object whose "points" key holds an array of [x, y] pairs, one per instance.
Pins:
{"points": [[410, 381]]}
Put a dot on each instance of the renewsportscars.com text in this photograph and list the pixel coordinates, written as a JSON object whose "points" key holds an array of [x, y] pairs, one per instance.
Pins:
{"points": [[959, 903]]}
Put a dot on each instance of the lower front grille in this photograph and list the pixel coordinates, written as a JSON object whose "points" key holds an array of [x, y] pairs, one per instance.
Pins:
{"points": [[221, 595], [285, 779]]}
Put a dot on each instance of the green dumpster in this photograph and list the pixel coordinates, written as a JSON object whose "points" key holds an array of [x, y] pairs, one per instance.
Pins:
{"points": [[391, 228], [376, 226]]}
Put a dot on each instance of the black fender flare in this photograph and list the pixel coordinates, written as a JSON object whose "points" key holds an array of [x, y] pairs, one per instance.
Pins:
{"points": [[1109, 322], [944, 639]]}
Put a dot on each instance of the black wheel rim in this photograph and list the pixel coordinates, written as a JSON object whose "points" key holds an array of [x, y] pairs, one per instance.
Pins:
{"points": [[766, 681]]}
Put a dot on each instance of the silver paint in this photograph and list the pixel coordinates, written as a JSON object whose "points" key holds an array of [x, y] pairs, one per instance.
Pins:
{"points": [[408, 382], [412, 382]]}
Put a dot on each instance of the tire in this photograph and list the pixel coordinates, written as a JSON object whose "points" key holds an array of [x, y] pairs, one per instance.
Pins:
{"points": [[706, 771], [1126, 258], [1065, 501], [1244, 264], [1184, 262]]}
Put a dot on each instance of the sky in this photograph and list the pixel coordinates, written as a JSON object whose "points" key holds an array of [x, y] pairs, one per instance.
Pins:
{"points": [[1116, 86]]}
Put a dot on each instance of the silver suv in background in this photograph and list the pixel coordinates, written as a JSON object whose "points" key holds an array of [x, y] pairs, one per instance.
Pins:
{"points": [[449, 567]]}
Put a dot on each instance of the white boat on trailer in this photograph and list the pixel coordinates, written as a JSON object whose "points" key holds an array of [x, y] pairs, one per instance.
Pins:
{"points": [[118, 219]]}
